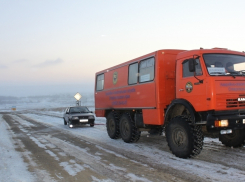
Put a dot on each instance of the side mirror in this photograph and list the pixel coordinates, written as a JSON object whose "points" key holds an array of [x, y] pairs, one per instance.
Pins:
{"points": [[192, 65]]}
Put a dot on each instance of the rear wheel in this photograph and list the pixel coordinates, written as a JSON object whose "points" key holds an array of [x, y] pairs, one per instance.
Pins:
{"points": [[184, 140], [112, 125], [235, 139], [129, 132]]}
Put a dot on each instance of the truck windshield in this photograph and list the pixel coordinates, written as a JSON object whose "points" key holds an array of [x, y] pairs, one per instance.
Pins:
{"points": [[225, 64]]}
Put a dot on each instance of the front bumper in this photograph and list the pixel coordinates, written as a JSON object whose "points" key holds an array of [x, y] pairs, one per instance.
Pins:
{"points": [[236, 119], [81, 122]]}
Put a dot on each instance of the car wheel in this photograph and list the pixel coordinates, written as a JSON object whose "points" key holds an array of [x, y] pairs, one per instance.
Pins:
{"points": [[92, 125], [65, 123]]}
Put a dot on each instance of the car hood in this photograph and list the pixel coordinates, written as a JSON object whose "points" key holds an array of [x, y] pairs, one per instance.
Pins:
{"points": [[81, 114]]}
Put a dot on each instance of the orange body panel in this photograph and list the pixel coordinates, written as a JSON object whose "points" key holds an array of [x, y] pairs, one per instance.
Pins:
{"points": [[153, 116]]}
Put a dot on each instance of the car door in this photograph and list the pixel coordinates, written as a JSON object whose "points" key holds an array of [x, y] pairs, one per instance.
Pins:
{"points": [[66, 114]]}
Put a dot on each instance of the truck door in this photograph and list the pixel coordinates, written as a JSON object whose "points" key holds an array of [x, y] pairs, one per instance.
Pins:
{"points": [[191, 86]]}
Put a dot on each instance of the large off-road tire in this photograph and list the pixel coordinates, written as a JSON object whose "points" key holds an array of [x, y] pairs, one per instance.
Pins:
{"points": [[112, 125], [129, 132], [184, 140], [65, 123], [235, 139]]}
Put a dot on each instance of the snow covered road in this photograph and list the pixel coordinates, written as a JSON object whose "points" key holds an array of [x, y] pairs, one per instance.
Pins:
{"points": [[46, 149]]}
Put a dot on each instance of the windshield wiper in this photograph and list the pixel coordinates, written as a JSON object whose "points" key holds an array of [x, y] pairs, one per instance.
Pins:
{"points": [[239, 73], [232, 74], [242, 72], [217, 73]]}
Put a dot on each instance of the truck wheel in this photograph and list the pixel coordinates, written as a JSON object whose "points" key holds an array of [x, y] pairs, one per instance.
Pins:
{"points": [[112, 125], [235, 139], [129, 132], [65, 123], [184, 140]]}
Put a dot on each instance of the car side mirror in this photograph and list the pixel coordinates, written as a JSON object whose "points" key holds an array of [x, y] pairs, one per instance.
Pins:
{"points": [[192, 65], [91, 111], [67, 112]]}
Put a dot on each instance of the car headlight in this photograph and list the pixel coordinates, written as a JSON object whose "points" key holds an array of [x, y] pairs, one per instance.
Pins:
{"points": [[75, 117], [91, 117]]}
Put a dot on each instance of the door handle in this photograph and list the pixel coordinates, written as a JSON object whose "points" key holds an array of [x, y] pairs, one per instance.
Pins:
{"points": [[181, 89]]}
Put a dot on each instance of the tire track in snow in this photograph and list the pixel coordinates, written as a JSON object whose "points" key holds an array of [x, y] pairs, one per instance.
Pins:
{"points": [[61, 149]]}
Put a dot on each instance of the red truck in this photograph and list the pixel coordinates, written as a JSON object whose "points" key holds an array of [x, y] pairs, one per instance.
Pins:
{"points": [[176, 91]]}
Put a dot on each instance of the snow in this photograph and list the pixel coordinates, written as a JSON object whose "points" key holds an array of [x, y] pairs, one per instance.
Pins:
{"points": [[12, 166], [136, 178], [71, 168]]}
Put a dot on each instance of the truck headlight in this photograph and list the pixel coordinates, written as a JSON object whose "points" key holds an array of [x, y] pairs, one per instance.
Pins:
{"points": [[75, 117], [221, 123], [91, 117]]}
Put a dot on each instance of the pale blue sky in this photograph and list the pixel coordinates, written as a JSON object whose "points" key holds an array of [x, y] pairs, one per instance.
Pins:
{"points": [[61, 44]]}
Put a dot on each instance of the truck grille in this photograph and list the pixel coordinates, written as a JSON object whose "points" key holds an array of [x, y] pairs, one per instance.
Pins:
{"points": [[230, 101], [83, 117], [234, 103]]}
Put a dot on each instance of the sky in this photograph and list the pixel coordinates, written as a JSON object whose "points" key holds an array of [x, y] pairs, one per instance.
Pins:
{"points": [[57, 46]]}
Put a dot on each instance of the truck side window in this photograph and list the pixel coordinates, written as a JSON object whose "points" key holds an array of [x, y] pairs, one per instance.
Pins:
{"points": [[133, 74], [186, 72], [100, 82], [146, 71]]}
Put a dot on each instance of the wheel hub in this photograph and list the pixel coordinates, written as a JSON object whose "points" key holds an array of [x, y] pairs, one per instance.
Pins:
{"points": [[111, 125], [179, 137], [125, 128]]}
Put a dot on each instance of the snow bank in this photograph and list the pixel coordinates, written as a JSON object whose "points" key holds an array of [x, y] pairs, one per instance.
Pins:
{"points": [[12, 166]]}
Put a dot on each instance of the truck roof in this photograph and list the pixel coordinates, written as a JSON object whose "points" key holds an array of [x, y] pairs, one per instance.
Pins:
{"points": [[213, 50]]}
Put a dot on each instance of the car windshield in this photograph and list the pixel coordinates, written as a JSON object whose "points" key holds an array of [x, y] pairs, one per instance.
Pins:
{"points": [[79, 110], [225, 64]]}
